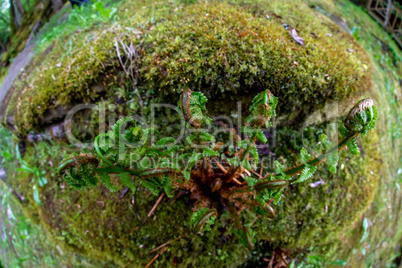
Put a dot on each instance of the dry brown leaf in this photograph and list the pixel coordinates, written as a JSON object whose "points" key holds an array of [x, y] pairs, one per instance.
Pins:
{"points": [[296, 37]]}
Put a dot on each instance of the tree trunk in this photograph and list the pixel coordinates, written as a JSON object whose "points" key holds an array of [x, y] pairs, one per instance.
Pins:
{"points": [[15, 18], [2, 47], [19, 6], [388, 13]]}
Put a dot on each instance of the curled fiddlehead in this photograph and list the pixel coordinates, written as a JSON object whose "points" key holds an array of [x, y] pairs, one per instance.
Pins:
{"points": [[79, 170], [192, 106], [362, 117]]}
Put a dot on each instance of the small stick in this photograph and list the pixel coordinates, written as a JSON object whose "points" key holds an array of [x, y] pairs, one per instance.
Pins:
{"points": [[256, 218], [221, 167], [167, 243], [178, 196], [238, 182], [271, 262], [156, 256], [261, 171], [156, 204], [247, 172], [270, 201], [283, 258], [255, 173], [135, 208]]}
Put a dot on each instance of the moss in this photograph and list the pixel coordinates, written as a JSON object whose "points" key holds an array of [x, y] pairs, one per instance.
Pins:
{"points": [[317, 216], [100, 224], [229, 50]]}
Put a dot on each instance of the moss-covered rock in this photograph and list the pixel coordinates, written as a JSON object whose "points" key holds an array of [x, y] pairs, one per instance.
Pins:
{"points": [[230, 51]]}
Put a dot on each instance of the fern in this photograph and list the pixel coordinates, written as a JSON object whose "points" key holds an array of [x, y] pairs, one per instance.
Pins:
{"points": [[152, 184], [127, 181], [208, 152], [261, 137], [332, 158], [279, 168], [305, 156], [228, 175], [105, 179], [306, 174], [202, 219], [353, 148], [250, 181], [165, 141]]}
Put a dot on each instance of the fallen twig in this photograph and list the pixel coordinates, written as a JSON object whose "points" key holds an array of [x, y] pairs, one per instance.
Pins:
{"points": [[156, 204], [156, 256]]}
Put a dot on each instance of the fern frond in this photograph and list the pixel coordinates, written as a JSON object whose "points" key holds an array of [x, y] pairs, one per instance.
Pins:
{"points": [[332, 161], [279, 168], [262, 109], [206, 137], [254, 154], [352, 145], [208, 152], [105, 179], [202, 219], [193, 159], [250, 181], [186, 175], [261, 136], [305, 156], [192, 105], [165, 141], [151, 184], [126, 179], [306, 174], [167, 186]]}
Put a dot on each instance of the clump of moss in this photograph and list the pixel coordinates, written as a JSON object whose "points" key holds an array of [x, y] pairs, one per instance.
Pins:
{"points": [[243, 48], [227, 50]]}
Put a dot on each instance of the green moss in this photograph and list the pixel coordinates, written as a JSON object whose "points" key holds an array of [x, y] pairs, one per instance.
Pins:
{"points": [[228, 50], [100, 224], [318, 216]]}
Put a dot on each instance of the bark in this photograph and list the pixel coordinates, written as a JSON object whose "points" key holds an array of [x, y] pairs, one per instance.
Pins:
{"points": [[388, 13], [20, 7], [15, 18], [3, 47]]}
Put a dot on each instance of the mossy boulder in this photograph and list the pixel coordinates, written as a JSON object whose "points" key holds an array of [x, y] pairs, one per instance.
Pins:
{"points": [[230, 51]]}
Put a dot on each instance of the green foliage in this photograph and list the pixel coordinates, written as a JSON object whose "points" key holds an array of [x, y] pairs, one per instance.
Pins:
{"points": [[202, 220], [114, 152], [81, 17], [353, 148], [332, 158], [38, 175], [362, 117], [306, 174]]}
